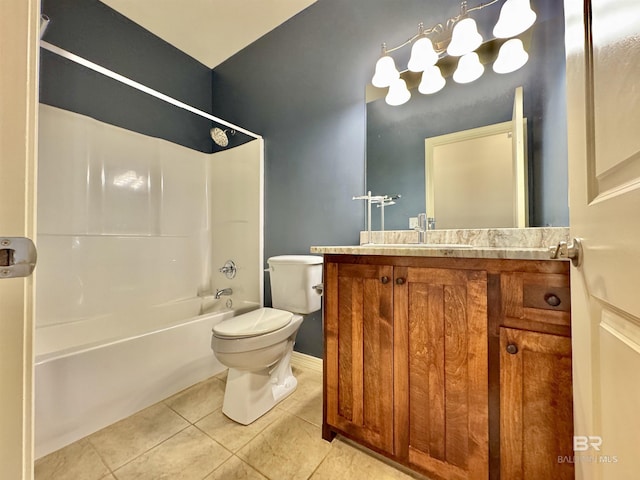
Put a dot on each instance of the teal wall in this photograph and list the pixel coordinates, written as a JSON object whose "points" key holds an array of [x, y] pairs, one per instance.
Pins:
{"points": [[302, 86], [96, 32], [395, 135]]}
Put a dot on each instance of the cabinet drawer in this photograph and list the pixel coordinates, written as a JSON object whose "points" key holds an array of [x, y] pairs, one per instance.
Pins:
{"points": [[546, 297], [536, 301]]}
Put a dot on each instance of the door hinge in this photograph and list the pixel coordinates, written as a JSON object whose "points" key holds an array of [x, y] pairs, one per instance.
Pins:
{"points": [[18, 257]]}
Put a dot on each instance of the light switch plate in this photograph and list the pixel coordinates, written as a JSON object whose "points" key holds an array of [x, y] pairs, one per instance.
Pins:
{"points": [[413, 222]]}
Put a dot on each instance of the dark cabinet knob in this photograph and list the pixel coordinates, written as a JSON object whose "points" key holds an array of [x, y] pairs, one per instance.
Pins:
{"points": [[512, 348], [399, 281], [552, 299], [385, 280]]}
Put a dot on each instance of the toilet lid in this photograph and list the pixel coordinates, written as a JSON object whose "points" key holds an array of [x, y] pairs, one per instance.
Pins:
{"points": [[257, 322]]}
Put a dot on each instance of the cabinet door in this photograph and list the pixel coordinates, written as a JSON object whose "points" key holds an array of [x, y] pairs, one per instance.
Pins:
{"points": [[359, 356], [536, 413], [441, 371]]}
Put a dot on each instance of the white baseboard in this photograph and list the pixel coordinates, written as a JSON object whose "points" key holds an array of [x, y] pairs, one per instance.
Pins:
{"points": [[302, 360]]}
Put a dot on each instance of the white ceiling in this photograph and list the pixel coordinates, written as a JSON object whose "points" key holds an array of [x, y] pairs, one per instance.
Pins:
{"points": [[209, 30]]}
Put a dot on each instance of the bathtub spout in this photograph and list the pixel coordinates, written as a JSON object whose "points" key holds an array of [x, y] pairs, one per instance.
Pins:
{"points": [[224, 291]]}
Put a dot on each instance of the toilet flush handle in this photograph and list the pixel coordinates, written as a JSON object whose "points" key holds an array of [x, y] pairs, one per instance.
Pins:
{"points": [[319, 288]]}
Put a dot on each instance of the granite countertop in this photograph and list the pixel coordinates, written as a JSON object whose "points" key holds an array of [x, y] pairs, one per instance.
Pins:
{"points": [[509, 243], [513, 253]]}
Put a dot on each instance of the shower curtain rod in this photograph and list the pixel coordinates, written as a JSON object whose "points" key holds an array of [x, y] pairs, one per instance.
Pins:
{"points": [[138, 86]]}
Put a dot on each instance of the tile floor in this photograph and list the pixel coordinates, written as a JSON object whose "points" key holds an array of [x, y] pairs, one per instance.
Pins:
{"points": [[187, 437]]}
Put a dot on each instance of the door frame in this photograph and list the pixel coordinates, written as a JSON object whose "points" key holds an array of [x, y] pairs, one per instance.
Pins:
{"points": [[19, 53]]}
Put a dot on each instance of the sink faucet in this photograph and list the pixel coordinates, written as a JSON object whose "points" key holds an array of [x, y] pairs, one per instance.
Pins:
{"points": [[381, 201], [369, 199], [224, 291], [421, 228]]}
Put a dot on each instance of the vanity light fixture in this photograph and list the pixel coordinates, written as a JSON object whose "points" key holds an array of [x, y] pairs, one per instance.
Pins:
{"points": [[398, 93], [432, 80], [465, 38], [469, 68], [386, 71], [511, 56], [516, 16], [423, 55], [456, 37]]}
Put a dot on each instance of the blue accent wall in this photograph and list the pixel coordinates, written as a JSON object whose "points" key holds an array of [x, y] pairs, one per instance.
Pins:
{"points": [[98, 33], [302, 86], [395, 135]]}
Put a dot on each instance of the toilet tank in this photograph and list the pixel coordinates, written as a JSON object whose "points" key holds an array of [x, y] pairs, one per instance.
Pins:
{"points": [[292, 280]]}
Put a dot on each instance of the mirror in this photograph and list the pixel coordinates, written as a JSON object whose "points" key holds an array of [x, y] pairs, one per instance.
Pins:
{"points": [[396, 136], [477, 178]]}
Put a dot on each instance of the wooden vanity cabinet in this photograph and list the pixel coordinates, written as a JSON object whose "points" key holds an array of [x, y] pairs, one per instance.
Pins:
{"points": [[406, 363], [418, 364], [359, 352], [536, 395], [536, 422], [440, 326]]}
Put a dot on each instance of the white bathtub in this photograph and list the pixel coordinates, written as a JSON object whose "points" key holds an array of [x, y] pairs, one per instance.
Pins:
{"points": [[92, 373]]}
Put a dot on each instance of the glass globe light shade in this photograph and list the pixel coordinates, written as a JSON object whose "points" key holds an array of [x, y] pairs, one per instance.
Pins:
{"points": [[516, 16], [422, 55], [385, 73], [465, 38], [511, 57], [469, 68], [398, 93], [432, 80]]}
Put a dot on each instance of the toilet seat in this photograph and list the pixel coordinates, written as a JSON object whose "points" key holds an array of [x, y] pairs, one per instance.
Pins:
{"points": [[254, 323]]}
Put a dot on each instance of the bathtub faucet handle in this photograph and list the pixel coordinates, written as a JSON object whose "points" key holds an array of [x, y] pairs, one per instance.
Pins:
{"points": [[229, 269]]}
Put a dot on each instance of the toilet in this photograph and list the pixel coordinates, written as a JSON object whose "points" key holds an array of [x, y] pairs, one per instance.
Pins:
{"points": [[257, 346]]}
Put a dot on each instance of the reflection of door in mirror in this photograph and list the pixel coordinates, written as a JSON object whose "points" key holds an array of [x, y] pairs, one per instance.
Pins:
{"points": [[477, 178]]}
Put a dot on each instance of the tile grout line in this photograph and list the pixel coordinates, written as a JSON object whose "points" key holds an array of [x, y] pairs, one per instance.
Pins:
{"points": [[101, 459], [177, 412], [148, 450], [321, 462], [258, 470], [112, 471], [244, 444], [221, 464], [304, 419], [164, 402], [285, 412], [190, 424], [213, 440]]}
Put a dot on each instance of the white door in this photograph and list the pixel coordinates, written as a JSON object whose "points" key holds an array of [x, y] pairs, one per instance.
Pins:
{"points": [[603, 95], [19, 25]]}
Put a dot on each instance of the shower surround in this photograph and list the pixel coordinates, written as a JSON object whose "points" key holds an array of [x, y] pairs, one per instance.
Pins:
{"points": [[131, 233]]}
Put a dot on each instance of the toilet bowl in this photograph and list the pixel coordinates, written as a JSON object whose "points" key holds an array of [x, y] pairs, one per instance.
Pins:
{"points": [[257, 346]]}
